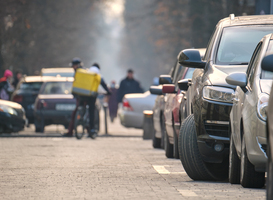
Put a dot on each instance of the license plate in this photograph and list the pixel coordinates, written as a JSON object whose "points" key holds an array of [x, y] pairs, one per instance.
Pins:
{"points": [[65, 106]]}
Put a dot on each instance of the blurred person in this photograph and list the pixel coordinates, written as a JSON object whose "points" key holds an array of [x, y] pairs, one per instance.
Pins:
{"points": [[6, 87], [17, 78], [112, 101], [128, 85]]}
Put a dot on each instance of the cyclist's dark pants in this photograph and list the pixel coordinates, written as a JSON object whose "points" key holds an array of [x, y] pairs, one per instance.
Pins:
{"points": [[91, 103]]}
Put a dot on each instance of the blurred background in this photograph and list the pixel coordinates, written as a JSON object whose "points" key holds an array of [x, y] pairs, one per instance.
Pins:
{"points": [[145, 36]]}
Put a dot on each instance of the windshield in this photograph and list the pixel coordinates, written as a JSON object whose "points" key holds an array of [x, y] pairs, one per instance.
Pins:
{"points": [[62, 74], [57, 88], [32, 86], [268, 74], [238, 43]]}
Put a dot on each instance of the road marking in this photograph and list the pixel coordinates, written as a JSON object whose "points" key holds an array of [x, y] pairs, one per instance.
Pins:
{"points": [[188, 193], [162, 170]]}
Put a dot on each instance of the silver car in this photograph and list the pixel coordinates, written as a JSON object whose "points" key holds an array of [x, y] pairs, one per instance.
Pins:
{"points": [[247, 159], [133, 105]]}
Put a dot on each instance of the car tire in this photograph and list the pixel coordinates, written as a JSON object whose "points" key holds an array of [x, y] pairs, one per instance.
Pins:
{"points": [[175, 145], [156, 142], [249, 178], [168, 146], [163, 129], [39, 126], [191, 158], [234, 164], [269, 180]]}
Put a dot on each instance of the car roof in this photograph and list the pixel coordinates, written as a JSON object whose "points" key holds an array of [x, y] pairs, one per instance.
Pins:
{"points": [[246, 20], [64, 69], [29, 79]]}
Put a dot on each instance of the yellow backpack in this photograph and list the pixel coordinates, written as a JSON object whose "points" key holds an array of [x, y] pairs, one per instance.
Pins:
{"points": [[86, 83]]}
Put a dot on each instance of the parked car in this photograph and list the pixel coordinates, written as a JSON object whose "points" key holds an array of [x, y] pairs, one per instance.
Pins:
{"points": [[248, 120], [133, 105], [63, 72], [173, 98], [26, 93], [204, 138], [267, 64], [12, 117]]}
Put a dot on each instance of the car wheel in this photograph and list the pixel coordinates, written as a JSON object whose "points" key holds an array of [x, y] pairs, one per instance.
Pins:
{"points": [[191, 158], [234, 164], [269, 180], [249, 177], [175, 145], [156, 141], [39, 126], [163, 128], [168, 146]]}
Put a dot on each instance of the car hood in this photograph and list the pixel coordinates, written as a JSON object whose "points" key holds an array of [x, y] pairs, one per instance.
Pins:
{"points": [[55, 96], [266, 85], [217, 74], [10, 104]]}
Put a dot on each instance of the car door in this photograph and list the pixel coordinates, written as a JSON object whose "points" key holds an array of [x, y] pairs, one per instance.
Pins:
{"points": [[243, 99]]}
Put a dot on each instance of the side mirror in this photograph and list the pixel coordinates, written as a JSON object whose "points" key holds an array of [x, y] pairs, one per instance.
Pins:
{"points": [[183, 84], [191, 58], [168, 88], [267, 63], [237, 78], [165, 79], [157, 90]]}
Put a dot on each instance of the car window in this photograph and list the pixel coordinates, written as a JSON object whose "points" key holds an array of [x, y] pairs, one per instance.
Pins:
{"points": [[30, 86], [238, 43], [211, 42], [253, 64], [62, 74], [179, 69], [268, 74], [189, 73], [57, 88]]}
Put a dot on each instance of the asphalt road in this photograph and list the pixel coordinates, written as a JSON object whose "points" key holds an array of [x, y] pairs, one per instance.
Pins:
{"points": [[119, 166]]}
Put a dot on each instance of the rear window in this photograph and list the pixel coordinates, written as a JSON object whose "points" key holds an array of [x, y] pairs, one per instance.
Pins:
{"points": [[57, 88], [31, 86], [238, 43], [62, 74]]}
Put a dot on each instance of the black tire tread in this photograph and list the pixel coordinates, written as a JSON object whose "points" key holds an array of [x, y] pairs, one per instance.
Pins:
{"points": [[234, 165]]}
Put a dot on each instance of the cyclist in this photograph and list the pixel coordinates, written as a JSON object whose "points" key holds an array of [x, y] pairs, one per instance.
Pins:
{"points": [[90, 101]]}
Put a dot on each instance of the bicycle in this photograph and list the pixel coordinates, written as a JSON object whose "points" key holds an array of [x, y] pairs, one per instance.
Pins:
{"points": [[81, 123]]}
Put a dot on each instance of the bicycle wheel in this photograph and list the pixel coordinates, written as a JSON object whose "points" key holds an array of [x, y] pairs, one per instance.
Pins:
{"points": [[79, 124]]}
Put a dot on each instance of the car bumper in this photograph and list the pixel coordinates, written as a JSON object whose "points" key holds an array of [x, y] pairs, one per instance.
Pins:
{"points": [[212, 128], [53, 116], [131, 119], [11, 123]]}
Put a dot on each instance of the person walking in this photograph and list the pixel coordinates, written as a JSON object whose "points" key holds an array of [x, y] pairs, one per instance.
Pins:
{"points": [[6, 87], [128, 85], [112, 101], [17, 78]]}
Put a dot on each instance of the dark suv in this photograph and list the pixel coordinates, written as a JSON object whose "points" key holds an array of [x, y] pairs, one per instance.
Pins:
{"points": [[204, 136]]}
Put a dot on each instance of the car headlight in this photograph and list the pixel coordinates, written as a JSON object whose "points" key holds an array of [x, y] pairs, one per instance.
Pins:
{"points": [[262, 105], [218, 93], [8, 109]]}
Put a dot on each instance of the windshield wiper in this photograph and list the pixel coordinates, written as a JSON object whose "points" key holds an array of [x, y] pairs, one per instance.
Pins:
{"points": [[243, 63]]}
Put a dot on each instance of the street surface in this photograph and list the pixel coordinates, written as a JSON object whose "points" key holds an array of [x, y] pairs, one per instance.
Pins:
{"points": [[119, 166]]}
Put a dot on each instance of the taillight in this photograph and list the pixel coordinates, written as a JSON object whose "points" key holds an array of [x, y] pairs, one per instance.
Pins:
{"points": [[41, 104], [126, 105], [17, 98]]}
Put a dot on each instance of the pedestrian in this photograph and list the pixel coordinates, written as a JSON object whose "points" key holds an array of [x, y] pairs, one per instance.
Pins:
{"points": [[128, 85], [17, 78], [112, 101], [6, 87]]}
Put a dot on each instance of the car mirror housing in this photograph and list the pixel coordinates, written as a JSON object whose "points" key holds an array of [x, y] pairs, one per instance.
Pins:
{"points": [[267, 63], [165, 79], [168, 88], [191, 58], [183, 84], [237, 78], [157, 90]]}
